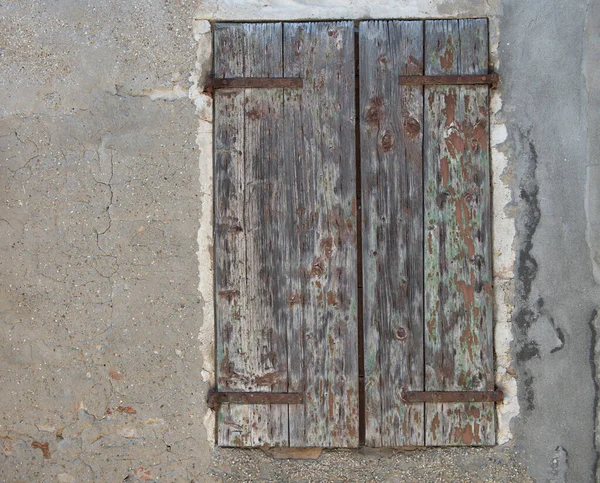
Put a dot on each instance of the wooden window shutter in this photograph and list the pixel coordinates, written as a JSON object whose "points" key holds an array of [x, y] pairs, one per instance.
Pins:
{"points": [[285, 234], [293, 199], [426, 234]]}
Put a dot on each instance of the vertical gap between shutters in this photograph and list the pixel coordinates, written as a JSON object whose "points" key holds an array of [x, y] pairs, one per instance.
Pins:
{"points": [[423, 228], [358, 221]]}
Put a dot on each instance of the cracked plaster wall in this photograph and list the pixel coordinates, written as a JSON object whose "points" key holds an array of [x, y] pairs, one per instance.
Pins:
{"points": [[106, 328], [100, 311]]}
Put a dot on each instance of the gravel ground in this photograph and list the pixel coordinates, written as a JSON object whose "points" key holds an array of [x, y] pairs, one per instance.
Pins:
{"points": [[366, 465]]}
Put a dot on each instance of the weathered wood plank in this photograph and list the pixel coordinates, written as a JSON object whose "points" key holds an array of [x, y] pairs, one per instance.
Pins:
{"points": [[458, 293], [249, 270], [320, 158], [392, 212]]}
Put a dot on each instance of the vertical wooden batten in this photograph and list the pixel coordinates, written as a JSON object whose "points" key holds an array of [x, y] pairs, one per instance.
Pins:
{"points": [[320, 154], [392, 216], [249, 230], [458, 283]]}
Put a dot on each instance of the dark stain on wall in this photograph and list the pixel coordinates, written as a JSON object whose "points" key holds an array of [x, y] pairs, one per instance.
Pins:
{"points": [[526, 313]]}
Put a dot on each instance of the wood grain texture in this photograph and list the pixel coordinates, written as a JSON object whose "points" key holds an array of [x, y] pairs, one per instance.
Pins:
{"points": [[458, 291], [320, 154], [249, 226], [392, 215], [285, 233]]}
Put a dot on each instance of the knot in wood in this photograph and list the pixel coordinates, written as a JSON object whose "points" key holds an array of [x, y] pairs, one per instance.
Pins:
{"points": [[401, 333]]}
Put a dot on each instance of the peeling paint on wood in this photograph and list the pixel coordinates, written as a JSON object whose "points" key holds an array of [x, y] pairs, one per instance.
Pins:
{"points": [[392, 211], [458, 291]]}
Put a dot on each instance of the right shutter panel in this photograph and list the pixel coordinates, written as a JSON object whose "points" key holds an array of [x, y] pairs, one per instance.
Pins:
{"points": [[458, 283]]}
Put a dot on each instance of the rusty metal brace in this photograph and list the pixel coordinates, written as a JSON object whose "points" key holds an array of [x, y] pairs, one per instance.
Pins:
{"points": [[451, 396], [253, 83], [441, 80]]}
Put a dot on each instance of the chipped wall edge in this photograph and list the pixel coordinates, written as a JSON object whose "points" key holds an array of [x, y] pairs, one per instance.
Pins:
{"points": [[204, 140]]}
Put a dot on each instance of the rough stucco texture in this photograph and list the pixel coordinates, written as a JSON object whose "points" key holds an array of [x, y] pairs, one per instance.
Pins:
{"points": [[100, 311], [99, 303]]}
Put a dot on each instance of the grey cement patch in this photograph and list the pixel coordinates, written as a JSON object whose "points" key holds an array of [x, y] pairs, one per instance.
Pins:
{"points": [[591, 73], [541, 57]]}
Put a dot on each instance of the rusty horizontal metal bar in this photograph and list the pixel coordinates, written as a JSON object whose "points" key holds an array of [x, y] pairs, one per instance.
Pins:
{"points": [[439, 80], [452, 396], [255, 83], [215, 398]]}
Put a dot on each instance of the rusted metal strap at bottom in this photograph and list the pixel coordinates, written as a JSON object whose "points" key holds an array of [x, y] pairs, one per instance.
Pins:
{"points": [[215, 398], [442, 80], [452, 396]]}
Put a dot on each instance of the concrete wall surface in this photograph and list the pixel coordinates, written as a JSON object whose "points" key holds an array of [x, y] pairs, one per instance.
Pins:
{"points": [[106, 319]]}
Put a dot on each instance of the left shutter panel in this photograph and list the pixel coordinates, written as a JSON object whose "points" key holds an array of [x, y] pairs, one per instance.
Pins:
{"points": [[249, 235]]}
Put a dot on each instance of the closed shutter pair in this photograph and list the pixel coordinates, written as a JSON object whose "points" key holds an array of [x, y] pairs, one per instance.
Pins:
{"points": [[352, 261]]}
